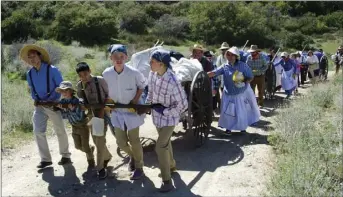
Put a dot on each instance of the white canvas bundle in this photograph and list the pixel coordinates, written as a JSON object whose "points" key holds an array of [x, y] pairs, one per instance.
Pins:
{"points": [[185, 69], [141, 60]]}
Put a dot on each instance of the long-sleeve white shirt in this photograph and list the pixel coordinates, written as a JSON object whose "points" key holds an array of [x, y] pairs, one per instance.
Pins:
{"points": [[312, 60], [122, 89]]}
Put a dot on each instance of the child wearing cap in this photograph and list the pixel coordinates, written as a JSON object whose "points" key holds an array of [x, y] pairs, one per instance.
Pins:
{"points": [[78, 120], [165, 89], [126, 85]]}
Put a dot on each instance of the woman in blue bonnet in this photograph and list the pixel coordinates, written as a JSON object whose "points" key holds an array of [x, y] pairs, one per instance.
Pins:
{"points": [[239, 107], [165, 89]]}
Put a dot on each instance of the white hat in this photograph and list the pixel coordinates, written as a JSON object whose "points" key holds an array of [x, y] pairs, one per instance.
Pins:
{"points": [[234, 50], [284, 54], [224, 45]]}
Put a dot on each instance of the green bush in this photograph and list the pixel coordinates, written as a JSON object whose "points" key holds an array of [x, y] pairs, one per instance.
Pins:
{"points": [[85, 24]]}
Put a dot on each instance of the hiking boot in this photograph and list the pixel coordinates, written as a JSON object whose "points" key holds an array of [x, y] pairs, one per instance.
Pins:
{"points": [[137, 174], [102, 174], [131, 165], [91, 164], [64, 161], [173, 169], [44, 164], [166, 186], [106, 162]]}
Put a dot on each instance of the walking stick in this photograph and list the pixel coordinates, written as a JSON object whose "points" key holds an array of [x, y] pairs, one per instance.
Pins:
{"points": [[245, 45]]}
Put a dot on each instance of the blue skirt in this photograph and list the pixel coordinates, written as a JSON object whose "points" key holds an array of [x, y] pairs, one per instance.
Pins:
{"points": [[239, 111]]}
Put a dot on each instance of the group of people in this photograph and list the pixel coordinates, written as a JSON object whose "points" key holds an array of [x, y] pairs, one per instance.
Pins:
{"points": [[119, 83]]}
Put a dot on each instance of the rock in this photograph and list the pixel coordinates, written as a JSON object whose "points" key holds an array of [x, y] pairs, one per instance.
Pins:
{"points": [[9, 166]]}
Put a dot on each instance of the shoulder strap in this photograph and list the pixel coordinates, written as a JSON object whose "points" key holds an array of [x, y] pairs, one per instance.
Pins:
{"points": [[32, 85], [83, 93], [98, 89]]}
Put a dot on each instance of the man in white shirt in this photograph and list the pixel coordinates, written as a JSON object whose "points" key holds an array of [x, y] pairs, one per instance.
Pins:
{"points": [[126, 85], [313, 64], [221, 60]]}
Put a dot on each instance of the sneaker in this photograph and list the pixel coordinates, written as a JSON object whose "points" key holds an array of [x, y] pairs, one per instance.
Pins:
{"points": [[106, 162], [173, 169], [64, 161], [102, 174], [131, 165], [44, 164], [166, 186], [137, 174]]}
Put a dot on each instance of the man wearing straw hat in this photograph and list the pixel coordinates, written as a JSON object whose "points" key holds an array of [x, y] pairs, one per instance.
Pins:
{"points": [[258, 66], [198, 53], [222, 61], [43, 78]]}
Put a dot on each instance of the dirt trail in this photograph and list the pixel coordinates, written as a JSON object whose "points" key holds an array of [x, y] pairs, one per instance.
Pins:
{"points": [[237, 165]]}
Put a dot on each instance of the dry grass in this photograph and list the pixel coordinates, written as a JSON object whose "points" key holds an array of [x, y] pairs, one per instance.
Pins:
{"points": [[308, 143]]}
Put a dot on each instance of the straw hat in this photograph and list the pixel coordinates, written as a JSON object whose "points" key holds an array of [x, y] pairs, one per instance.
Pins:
{"points": [[340, 47], [253, 48], [24, 52], [198, 47], [224, 45], [64, 85]]}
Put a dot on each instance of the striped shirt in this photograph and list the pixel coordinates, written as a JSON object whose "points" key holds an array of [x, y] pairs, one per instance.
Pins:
{"points": [[76, 116], [229, 71], [258, 66], [166, 90]]}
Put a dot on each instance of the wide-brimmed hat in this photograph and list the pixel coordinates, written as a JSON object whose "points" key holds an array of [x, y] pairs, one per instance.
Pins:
{"points": [[253, 48], [340, 47], [234, 50], [64, 85], [197, 47], [44, 53], [224, 45], [284, 54]]}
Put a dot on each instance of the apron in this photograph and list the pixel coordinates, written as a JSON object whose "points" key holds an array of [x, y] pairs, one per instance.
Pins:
{"points": [[278, 71], [239, 111], [287, 80]]}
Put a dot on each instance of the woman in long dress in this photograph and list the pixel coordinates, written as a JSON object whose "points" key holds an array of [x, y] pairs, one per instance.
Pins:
{"points": [[239, 107], [288, 77]]}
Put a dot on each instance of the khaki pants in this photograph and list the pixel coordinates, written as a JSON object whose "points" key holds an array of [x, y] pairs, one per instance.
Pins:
{"points": [[102, 152], [40, 119], [164, 151], [260, 82], [311, 69], [134, 149], [80, 135]]}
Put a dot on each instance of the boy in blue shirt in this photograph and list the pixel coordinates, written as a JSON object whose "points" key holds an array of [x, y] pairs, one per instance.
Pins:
{"points": [[78, 120]]}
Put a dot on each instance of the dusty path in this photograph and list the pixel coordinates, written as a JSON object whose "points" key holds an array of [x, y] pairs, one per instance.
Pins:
{"points": [[237, 165]]}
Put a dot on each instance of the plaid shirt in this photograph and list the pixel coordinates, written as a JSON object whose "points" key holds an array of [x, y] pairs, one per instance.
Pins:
{"points": [[76, 116], [215, 80], [258, 66], [167, 91]]}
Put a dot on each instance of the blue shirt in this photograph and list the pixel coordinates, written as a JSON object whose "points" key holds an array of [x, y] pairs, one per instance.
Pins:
{"points": [[75, 116], [228, 71], [288, 65], [39, 79]]}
